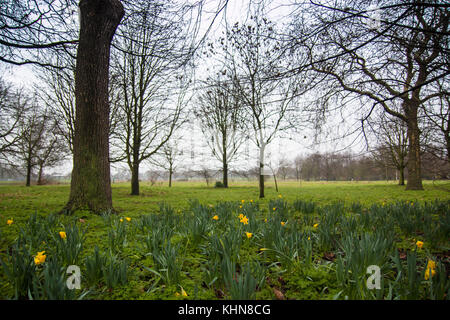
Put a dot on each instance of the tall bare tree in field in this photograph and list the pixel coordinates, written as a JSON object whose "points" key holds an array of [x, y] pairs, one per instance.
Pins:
{"points": [[13, 104], [91, 182], [32, 134], [148, 69], [392, 137], [394, 56], [254, 61], [220, 113], [168, 157]]}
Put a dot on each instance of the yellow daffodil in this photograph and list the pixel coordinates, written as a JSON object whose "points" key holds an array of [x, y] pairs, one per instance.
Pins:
{"points": [[283, 223], [40, 258], [242, 201], [309, 238], [419, 244], [183, 293], [177, 294], [240, 207], [62, 234], [9, 222], [241, 216], [244, 220], [315, 226], [251, 200], [431, 264], [248, 234], [274, 209], [121, 220], [216, 217], [263, 249], [128, 219], [280, 196], [265, 220], [428, 272]]}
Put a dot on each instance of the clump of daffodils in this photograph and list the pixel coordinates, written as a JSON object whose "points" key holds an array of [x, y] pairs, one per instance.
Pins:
{"points": [[430, 270], [40, 258]]}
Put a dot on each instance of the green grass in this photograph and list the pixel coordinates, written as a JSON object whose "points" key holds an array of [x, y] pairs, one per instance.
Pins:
{"points": [[20, 200], [295, 277]]}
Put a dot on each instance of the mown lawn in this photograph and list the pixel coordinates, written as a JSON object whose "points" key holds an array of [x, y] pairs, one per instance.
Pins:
{"points": [[198, 243]]}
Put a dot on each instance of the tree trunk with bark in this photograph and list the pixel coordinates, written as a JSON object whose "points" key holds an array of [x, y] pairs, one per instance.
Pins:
{"points": [[261, 169], [41, 169], [135, 179], [170, 176], [28, 181], [91, 182], [224, 159], [414, 181], [225, 173], [401, 181]]}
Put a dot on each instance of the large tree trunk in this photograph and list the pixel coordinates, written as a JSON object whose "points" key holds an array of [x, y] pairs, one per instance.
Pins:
{"points": [[414, 181], [225, 174], [91, 182], [401, 181], [261, 170], [28, 181], [224, 160], [41, 169], [135, 179], [170, 176]]}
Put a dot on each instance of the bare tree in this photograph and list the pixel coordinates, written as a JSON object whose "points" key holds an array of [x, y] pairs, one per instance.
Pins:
{"points": [[437, 112], [52, 151], [168, 158], [392, 137], [13, 104], [32, 135], [206, 174], [149, 71], [396, 61], [255, 59], [220, 114], [298, 162], [284, 168]]}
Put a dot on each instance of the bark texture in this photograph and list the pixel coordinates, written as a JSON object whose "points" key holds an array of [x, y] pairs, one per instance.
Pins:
{"points": [[91, 181]]}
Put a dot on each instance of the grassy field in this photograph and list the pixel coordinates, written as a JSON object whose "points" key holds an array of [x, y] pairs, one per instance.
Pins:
{"points": [[136, 258], [19, 200]]}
